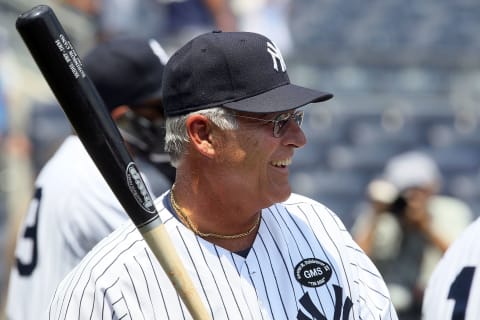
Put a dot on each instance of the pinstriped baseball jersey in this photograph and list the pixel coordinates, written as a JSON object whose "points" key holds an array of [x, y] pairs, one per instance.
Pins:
{"points": [[303, 264], [453, 289], [72, 209]]}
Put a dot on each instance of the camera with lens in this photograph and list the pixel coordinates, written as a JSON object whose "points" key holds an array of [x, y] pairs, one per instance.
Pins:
{"points": [[398, 206]]}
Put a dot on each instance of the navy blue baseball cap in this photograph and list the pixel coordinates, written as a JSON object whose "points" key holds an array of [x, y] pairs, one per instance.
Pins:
{"points": [[239, 70], [126, 70]]}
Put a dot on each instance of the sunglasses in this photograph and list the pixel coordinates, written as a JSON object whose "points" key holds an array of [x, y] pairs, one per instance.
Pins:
{"points": [[280, 122]]}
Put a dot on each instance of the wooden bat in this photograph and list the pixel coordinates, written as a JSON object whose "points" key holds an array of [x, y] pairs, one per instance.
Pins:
{"points": [[63, 70]]}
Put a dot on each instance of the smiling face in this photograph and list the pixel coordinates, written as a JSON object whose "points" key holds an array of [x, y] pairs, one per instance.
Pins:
{"points": [[256, 162]]}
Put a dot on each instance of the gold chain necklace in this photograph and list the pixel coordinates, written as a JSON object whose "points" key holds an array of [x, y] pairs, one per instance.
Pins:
{"points": [[195, 230]]}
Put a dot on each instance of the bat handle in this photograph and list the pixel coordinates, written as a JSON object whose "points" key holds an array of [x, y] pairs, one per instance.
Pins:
{"points": [[160, 243]]}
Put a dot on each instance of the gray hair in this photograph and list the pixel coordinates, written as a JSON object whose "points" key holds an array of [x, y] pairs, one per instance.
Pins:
{"points": [[176, 137]]}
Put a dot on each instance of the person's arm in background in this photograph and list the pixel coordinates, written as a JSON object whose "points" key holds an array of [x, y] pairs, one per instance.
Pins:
{"points": [[365, 229], [417, 215], [434, 238], [380, 195], [223, 15]]}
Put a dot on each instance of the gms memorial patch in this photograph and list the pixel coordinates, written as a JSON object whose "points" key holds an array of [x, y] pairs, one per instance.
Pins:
{"points": [[313, 272]]}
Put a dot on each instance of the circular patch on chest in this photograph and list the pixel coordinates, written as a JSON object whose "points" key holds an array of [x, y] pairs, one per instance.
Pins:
{"points": [[313, 272]]}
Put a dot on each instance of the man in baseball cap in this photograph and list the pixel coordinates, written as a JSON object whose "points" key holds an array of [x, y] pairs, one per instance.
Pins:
{"points": [[126, 72], [253, 249]]}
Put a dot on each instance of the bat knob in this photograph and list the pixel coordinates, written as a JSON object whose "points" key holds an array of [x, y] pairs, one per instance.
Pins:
{"points": [[32, 15]]}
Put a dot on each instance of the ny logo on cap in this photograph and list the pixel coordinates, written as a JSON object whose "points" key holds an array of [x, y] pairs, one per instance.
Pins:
{"points": [[276, 56]]}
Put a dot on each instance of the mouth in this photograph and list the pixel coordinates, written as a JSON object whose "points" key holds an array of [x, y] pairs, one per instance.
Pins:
{"points": [[281, 163]]}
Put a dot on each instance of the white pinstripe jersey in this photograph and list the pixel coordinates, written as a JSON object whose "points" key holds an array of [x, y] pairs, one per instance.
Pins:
{"points": [[303, 265], [453, 289], [72, 209]]}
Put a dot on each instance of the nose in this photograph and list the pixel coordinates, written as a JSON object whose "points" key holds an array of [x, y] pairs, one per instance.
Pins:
{"points": [[294, 136]]}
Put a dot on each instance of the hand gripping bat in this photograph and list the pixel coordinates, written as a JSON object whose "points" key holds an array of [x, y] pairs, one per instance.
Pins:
{"points": [[62, 68]]}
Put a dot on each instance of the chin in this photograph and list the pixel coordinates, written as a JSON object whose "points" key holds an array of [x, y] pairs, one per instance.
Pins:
{"points": [[284, 194], [276, 192]]}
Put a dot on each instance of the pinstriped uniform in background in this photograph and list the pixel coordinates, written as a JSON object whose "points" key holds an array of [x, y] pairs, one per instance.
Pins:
{"points": [[453, 289]]}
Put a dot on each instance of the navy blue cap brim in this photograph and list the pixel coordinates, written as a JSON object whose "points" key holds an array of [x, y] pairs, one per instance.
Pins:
{"points": [[282, 98]]}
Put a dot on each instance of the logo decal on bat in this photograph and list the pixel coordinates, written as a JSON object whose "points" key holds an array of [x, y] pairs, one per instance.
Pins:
{"points": [[138, 188]]}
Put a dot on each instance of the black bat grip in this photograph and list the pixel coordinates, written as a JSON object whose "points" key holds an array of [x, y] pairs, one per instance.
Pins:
{"points": [[62, 68]]}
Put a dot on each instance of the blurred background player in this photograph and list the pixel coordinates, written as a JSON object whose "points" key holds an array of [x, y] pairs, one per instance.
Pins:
{"points": [[173, 21], [409, 226], [73, 207], [186, 19], [454, 287]]}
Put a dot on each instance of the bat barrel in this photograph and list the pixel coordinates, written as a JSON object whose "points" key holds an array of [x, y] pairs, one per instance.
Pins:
{"points": [[63, 70]]}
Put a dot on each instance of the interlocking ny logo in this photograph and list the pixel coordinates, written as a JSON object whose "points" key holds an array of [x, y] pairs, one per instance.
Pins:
{"points": [[276, 56], [342, 310]]}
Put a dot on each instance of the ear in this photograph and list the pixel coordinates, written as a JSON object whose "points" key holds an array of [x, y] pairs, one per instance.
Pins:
{"points": [[199, 129]]}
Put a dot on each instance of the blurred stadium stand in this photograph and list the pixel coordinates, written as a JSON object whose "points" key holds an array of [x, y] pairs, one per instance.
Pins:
{"points": [[405, 74]]}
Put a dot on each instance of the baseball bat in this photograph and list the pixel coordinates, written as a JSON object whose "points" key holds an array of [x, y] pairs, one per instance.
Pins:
{"points": [[63, 70]]}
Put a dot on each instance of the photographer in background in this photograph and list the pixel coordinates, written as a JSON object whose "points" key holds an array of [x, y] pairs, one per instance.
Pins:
{"points": [[408, 226]]}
